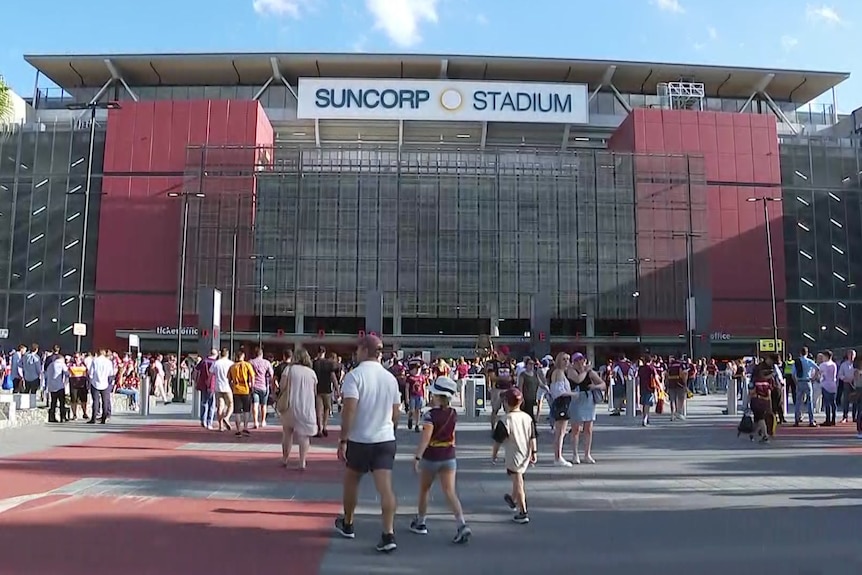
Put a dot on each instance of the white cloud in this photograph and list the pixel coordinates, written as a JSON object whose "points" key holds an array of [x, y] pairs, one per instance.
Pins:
{"points": [[823, 13], [291, 8], [360, 44], [401, 20], [713, 33], [669, 6], [788, 42]]}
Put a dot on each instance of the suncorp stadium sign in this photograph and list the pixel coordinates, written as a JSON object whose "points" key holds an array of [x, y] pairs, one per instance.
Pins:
{"points": [[355, 99]]}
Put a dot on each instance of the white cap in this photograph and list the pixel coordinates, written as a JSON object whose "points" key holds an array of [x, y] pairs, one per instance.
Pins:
{"points": [[444, 386]]}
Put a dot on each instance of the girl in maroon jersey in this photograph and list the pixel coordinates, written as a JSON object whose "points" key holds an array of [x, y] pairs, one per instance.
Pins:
{"points": [[435, 458]]}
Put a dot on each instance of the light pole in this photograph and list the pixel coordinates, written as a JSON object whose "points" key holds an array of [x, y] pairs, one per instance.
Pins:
{"points": [[181, 292], [261, 259], [92, 106], [233, 291], [765, 201], [689, 289]]}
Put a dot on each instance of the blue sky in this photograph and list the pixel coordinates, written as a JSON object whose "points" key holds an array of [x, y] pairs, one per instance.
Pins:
{"points": [[765, 33]]}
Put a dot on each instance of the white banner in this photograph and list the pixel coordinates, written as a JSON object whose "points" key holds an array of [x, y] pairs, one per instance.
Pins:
{"points": [[446, 100]]}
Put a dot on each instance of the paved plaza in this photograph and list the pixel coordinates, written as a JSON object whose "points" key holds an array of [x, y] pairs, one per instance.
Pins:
{"points": [[164, 497]]}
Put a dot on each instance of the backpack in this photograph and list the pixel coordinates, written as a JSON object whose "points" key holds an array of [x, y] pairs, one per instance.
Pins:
{"points": [[674, 374], [797, 367], [746, 425], [202, 381]]}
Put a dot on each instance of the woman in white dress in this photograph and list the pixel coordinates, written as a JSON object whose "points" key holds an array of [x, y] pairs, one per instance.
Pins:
{"points": [[298, 413]]}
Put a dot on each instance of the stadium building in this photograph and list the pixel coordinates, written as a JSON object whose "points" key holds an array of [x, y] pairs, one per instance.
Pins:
{"points": [[605, 206]]}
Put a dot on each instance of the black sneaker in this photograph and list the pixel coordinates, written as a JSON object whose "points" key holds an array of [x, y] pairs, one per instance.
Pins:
{"points": [[418, 527], [462, 535], [344, 529], [510, 502], [409, 424], [387, 543], [227, 425], [521, 517]]}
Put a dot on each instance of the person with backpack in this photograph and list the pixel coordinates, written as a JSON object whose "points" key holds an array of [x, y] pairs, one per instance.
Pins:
{"points": [[676, 385], [805, 371], [205, 383]]}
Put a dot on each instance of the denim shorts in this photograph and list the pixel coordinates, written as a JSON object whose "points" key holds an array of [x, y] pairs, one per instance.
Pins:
{"points": [[416, 402], [259, 396], [434, 467]]}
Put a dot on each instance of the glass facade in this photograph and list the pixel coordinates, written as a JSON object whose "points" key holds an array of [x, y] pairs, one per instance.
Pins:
{"points": [[452, 238], [822, 193], [43, 177]]}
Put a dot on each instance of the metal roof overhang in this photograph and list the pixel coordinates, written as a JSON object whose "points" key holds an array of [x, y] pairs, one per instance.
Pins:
{"points": [[77, 71]]}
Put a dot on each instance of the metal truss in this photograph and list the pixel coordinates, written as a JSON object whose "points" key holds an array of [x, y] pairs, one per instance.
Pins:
{"points": [[115, 78], [277, 76], [760, 89]]}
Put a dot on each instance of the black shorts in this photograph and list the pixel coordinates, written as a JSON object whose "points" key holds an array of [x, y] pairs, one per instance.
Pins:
{"points": [[367, 457], [242, 403], [78, 394]]}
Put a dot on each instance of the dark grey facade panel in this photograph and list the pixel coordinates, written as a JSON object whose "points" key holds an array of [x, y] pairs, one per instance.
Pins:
{"points": [[43, 179], [822, 193]]}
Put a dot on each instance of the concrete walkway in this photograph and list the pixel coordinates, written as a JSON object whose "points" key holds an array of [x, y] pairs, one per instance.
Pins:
{"points": [[685, 497]]}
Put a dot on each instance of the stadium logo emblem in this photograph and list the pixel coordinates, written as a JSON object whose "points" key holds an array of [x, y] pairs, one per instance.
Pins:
{"points": [[451, 99]]}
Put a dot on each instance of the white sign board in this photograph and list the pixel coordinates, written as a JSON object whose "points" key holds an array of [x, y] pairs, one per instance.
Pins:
{"points": [[446, 100], [134, 340], [4, 333], [79, 329]]}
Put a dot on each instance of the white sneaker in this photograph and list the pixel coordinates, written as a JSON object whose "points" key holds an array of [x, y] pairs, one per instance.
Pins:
{"points": [[589, 459], [577, 459], [562, 463]]}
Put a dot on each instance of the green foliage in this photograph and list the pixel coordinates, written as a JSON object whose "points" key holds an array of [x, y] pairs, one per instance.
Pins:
{"points": [[5, 101]]}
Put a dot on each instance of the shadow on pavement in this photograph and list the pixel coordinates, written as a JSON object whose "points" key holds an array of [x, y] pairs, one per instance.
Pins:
{"points": [[155, 537]]}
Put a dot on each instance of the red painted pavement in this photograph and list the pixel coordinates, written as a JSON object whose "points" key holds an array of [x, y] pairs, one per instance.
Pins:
{"points": [[150, 452], [102, 536]]}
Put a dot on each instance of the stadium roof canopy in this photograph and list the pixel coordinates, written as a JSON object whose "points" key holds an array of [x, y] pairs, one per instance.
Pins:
{"points": [[92, 71]]}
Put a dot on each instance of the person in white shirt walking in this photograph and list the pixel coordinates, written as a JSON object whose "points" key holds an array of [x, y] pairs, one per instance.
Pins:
{"points": [[101, 372], [829, 387], [372, 407], [56, 378], [224, 395]]}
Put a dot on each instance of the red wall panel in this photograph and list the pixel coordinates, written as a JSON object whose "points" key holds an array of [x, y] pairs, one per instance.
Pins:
{"points": [[739, 152], [146, 157]]}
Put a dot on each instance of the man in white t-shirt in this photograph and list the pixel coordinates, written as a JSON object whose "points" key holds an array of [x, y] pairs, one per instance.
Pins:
{"points": [[224, 395], [370, 412], [829, 387]]}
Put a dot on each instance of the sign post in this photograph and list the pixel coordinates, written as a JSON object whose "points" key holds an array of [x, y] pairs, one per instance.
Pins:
{"points": [[209, 328]]}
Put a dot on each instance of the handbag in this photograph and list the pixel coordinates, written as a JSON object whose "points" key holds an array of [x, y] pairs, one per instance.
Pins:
{"points": [[597, 395], [560, 408], [282, 402]]}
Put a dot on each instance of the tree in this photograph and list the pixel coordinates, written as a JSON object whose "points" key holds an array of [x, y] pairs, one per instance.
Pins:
{"points": [[5, 101]]}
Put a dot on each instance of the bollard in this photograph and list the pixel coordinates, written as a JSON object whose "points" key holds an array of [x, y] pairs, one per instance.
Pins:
{"points": [[196, 404], [144, 396], [469, 399], [631, 401], [731, 398]]}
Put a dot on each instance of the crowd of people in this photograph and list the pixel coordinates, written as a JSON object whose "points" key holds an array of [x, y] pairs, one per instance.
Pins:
{"points": [[371, 392]]}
